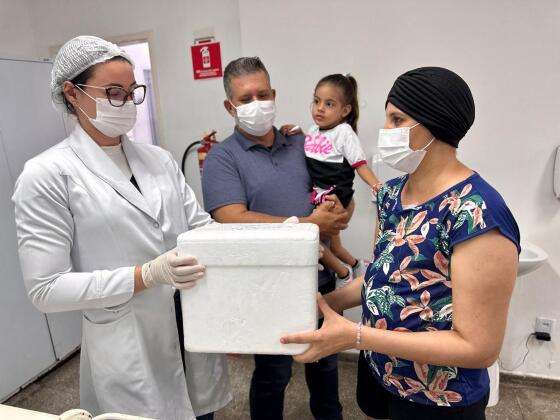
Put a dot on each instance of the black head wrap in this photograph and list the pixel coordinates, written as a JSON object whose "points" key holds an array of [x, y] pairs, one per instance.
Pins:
{"points": [[438, 99]]}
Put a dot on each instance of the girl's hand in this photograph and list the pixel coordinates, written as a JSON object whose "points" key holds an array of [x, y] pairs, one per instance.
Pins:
{"points": [[290, 129], [374, 190], [330, 216], [376, 187], [337, 334]]}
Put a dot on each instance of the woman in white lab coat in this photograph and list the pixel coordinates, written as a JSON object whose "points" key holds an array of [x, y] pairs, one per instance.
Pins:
{"points": [[97, 221]]}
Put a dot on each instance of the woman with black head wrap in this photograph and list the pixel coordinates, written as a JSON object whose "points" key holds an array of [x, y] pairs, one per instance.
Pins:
{"points": [[439, 212]]}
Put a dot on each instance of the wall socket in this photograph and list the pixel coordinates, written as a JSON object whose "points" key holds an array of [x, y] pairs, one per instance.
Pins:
{"points": [[543, 328]]}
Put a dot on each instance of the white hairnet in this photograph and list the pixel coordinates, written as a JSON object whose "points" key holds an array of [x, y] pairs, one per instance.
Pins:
{"points": [[76, 56]]}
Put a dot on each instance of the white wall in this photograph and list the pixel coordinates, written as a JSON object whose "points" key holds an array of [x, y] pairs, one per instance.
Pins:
{"points": [[508, 53], [506, 50], [16, 36]]}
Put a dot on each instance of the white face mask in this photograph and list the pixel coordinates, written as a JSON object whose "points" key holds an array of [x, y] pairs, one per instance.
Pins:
{"points": [[255, 118], [394, 146], [111, 120]]}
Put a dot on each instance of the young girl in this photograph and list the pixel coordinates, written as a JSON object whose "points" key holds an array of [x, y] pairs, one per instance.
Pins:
{"points": [[333, 152]]}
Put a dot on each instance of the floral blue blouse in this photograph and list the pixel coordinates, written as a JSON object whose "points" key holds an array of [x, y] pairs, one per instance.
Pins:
{"points": [[408, 285]]}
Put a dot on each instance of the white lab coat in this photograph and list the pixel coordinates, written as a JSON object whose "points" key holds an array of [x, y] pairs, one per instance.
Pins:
{"points": [[82, 227]]}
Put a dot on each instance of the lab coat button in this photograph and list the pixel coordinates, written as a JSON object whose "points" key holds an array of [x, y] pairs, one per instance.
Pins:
{"points": [[156, 225]]}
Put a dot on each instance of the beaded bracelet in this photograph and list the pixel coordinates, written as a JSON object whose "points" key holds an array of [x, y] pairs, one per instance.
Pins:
{"points": [[359, 334]]}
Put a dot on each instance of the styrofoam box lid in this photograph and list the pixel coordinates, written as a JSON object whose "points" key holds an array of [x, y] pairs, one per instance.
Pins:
{"points": [[262, 244], [252, 231], [260, 284]]}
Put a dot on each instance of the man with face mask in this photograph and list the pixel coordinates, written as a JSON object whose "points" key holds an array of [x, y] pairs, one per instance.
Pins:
{"points": [[257, 175]]}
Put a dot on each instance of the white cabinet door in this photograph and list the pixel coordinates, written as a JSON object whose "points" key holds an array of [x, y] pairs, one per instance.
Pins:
{"points": [[27, 117], [66, 332], [30, 125], [25, 345]]}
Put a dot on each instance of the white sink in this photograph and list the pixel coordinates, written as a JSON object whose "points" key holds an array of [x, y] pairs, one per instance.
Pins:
{"points": [[531, 258]]}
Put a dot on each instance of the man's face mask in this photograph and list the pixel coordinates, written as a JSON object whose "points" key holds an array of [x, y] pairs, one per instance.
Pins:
{"points": [[255, 118]]}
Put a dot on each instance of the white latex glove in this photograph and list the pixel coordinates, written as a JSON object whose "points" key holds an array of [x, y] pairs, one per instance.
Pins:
{"points": [[181, 272]]}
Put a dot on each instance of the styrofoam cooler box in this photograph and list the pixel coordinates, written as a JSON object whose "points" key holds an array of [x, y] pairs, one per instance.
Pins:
{"points": [[260, 284]]}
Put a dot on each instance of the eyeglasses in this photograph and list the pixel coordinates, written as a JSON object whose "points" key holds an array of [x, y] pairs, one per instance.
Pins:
{"points": [[117, 96]]}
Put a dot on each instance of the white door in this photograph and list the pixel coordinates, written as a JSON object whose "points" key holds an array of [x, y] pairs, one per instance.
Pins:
{"points": [[30, 125], [25, 344]]}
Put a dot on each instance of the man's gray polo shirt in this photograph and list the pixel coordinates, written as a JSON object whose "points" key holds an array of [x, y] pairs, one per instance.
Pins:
{"points": [[271, 180]]}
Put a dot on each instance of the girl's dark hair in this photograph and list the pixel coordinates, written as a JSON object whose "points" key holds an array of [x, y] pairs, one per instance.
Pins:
{"points": [[349, 88], [83, 77]]}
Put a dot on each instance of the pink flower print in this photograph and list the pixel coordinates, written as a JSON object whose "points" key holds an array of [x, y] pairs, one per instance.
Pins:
{"points": [[477, 218], [433, 277], [403, 233], [421, 308], [436, 390], [381, 324], [466, 189], [416, 222], [412, 240], [441, 263], [318, 144], [454, 200], [404, 273], [426, 226], [390, 379]]}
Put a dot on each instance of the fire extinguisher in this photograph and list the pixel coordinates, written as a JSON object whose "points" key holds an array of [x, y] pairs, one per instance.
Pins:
{"points": [[205, 53], [206, 143]]}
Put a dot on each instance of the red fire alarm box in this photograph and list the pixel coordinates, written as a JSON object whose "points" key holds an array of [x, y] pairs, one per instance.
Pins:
{"points": [[207, 60]]}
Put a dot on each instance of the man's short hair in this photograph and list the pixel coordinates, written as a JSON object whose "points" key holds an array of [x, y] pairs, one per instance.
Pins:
{"points": [[241, 67]]}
